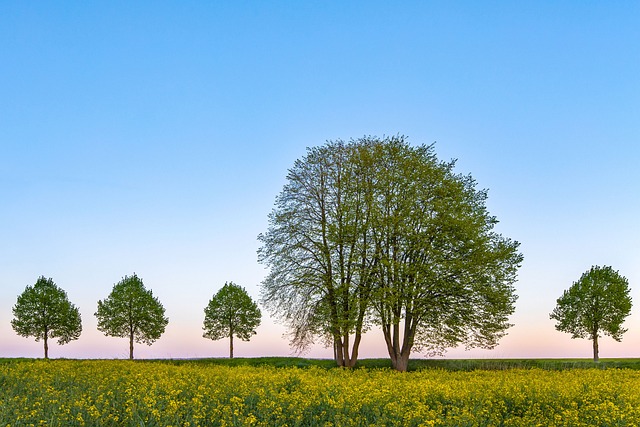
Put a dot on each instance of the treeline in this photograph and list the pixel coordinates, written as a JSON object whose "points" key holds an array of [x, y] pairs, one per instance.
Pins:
{"points": [[130, 311], [369, 232]]}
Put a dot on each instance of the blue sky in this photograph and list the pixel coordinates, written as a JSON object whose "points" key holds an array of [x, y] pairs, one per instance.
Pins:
{"points": [[153, 138]]}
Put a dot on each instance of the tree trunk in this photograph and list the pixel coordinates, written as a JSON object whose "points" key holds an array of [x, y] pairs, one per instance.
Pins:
{"points": [[345, 345], [131, 346], [354, 352], [339, 351], [386, 331], [399, 354], [231, 345], [596, 357], [402, 362], [46, 347]]}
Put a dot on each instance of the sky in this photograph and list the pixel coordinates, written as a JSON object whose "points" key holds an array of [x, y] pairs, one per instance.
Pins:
{"points": [[153, 137]]}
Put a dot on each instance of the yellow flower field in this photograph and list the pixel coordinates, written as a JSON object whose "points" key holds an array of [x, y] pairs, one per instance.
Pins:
{"points": [[124, 393]]}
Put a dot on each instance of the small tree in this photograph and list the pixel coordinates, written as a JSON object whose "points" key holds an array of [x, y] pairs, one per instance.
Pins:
{"points": [[131, 311], [43, 311], [231, 312], [598, 302]]}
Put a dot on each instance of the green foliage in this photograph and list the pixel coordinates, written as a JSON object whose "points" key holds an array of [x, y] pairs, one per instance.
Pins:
{"points": [[442, 271], [230, 312], [43, 311], [376, 230], [319, 279], [598, 302], [131, 311]]}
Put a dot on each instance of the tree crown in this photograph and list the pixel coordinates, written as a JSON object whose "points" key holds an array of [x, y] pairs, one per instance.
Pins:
{"points": [[231, 311], [377, 229], [44, 311], [598, 302], [131, 309]]}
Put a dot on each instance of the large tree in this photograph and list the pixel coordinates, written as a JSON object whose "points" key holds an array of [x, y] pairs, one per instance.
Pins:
{"points": [[131, 311], [316, 245], [378, 230], [44, 311], [231, 312], [597, 303], [444, 277]]}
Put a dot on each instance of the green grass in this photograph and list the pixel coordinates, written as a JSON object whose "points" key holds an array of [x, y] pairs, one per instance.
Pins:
{"points": [[14, 360], [278, 362], [414, 364], [420, 364], [501, 364]]}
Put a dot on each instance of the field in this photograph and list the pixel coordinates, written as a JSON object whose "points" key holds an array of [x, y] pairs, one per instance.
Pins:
{"points": [[299, 392]]}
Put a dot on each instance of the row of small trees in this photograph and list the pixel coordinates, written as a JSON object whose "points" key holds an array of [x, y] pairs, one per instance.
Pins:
{"points": [[130, 311], [597, 303], [373, 232]]}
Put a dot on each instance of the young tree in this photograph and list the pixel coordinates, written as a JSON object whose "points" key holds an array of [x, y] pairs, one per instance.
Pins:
{"points": [[131, 311], [43, 311], [598, 302], [231, 312]]}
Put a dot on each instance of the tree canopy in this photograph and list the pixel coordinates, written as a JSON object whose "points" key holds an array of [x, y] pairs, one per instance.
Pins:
{"points": [[44, 311], [597, 303], [231, 311], [131, 311], [379, 231], [444, 277], [317, 250]]}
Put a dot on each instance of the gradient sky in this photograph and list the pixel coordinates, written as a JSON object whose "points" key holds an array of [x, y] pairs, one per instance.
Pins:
{"points": [[153, 137]]}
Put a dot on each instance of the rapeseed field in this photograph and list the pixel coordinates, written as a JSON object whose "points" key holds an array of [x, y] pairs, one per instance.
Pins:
{"points": [[125, 393]]}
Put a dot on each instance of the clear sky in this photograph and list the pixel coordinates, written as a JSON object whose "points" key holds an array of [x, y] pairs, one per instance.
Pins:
{"points": [[153, 137]]}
